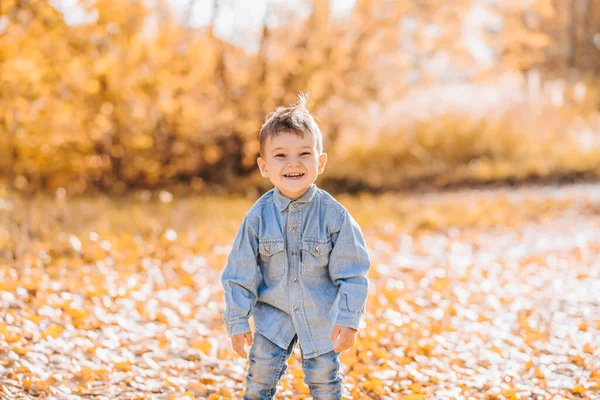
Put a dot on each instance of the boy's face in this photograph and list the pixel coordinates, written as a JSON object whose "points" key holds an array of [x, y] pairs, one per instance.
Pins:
{"points": [[287, 154]]}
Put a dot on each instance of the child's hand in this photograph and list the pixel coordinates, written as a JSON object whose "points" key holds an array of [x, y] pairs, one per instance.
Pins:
{"points": [[347, 337], [237, 342]]}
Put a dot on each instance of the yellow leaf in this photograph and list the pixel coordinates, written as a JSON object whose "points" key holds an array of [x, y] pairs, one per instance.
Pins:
{"points": [[588, 348], [578, 389], [123, 366], [509, 394], [201, 344], [415, 388], [414, 396], [53, 331], [198, 388], [76, 313], [27, 383]]}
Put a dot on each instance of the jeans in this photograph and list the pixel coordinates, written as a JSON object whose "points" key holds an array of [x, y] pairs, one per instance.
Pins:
{"points": [[268, 363]]}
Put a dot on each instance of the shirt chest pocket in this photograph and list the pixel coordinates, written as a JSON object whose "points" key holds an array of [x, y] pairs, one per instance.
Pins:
{"points": [[315, 256], [271, 257]]}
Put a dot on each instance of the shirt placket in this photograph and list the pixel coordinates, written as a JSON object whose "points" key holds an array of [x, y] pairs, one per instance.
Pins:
{"points": [[294, 254]]}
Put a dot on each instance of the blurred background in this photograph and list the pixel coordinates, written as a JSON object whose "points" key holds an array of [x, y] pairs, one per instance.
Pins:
{"points": [[463, 136], [115, 95]]}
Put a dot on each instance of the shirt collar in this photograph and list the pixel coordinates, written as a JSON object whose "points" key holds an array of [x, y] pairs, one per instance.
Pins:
{"points": [[281, 201]]}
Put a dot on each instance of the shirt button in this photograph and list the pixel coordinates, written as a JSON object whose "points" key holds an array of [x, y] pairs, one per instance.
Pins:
{"points": [[294, 228], [295, 281], [296, 309], [294, 254], [294, 205]]}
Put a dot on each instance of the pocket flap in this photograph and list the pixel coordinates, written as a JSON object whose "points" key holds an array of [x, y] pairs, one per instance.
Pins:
{"points": [[270, 246], [317, 247]]}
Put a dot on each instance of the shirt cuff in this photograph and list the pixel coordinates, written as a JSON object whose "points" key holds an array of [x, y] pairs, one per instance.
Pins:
{"points": [[238, 326], [348, 319]]}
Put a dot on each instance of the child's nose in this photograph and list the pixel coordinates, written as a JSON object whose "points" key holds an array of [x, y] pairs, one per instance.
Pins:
{"points": [[294, 161]]}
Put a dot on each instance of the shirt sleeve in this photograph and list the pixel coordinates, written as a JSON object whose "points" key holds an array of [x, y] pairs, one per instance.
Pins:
{"points": [[348, 266], [240, 279]]}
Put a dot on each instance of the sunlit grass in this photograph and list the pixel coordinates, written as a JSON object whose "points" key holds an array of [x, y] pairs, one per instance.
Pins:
{"points": [[525, 143], [48, 220]]}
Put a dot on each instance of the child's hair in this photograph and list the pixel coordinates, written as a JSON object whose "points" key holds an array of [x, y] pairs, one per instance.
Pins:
{"points": [[294, 119]]}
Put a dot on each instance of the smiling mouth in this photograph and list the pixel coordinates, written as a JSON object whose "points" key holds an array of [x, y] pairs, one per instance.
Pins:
{"points": [[294, 176]]}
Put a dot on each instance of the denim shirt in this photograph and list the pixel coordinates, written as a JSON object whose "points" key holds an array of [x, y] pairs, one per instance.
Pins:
{"points": [[298, 267]]}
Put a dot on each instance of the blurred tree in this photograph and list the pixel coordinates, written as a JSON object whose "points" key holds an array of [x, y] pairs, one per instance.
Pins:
{"points": [[135, 98], [559, 37]]}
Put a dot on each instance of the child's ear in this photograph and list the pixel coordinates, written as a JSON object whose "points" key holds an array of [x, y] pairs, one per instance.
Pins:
{"points": [[322, 162], [262, 166]]}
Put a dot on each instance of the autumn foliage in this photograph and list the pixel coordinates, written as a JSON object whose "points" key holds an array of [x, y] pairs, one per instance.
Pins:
{"points": [[481, 295], [135, 98]]}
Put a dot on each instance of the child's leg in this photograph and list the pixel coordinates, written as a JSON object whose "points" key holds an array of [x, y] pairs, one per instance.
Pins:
{"points": [[268, 363], [322, 375]]}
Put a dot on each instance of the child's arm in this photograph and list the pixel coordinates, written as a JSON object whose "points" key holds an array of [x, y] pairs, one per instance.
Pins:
{"points": [[240, 280], [348, 266]]}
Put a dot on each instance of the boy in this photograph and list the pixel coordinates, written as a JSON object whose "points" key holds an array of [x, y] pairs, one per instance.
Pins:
{"points": [[298, 265]]}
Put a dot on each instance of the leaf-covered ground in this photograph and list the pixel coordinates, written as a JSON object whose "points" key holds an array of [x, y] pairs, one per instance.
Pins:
{"points": [[489, 294]]}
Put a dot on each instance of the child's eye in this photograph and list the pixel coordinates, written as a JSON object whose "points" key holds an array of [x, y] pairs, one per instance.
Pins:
{"points": [[306, 152], [278, 155]]}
